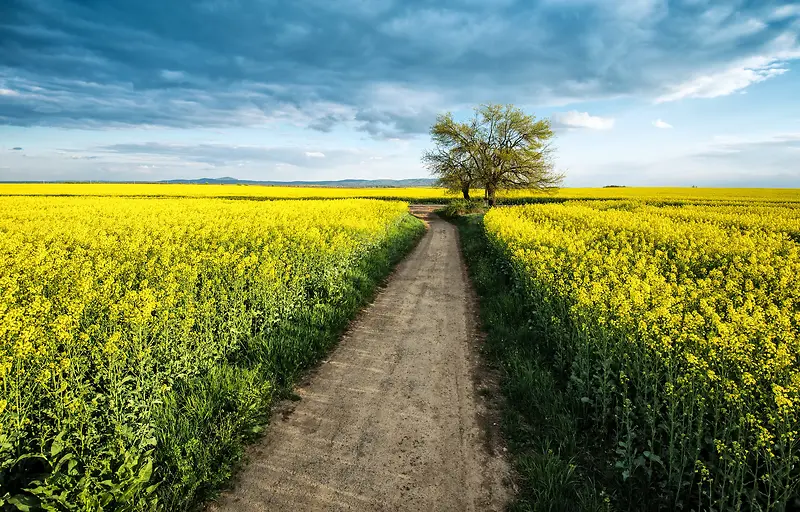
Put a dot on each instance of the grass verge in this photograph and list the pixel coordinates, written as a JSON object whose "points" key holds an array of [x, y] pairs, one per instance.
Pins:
{"points": [[205, 425], [555, 466]]}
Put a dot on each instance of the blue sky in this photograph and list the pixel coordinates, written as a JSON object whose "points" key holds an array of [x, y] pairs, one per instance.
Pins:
{"points": [[641, 92]]}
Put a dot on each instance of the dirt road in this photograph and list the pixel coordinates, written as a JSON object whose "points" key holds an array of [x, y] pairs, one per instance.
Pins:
{"points": [[392, 420]]}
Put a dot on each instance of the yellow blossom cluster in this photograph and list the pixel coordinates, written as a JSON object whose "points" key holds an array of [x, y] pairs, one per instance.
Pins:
{"points": [[678, 329], [107, 303], [415, 194], [231, 191]]}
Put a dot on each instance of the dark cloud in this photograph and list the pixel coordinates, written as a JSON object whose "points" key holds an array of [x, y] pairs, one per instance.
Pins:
{"points": [[383, 123], [16, 149], [192, 63]]}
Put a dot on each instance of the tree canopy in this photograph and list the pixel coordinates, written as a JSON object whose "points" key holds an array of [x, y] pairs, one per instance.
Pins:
{"points": [[500, 147]]}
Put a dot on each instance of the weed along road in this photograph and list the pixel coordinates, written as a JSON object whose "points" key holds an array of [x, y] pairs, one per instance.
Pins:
{"points": [[391, 420]]}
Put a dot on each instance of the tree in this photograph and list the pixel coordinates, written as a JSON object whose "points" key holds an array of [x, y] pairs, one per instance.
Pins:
{"points": [[456, 170], [500, 147]]}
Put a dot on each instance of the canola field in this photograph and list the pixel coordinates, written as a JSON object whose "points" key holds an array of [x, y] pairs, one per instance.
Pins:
{"points": [[142, 340], [676, 328], [414, 195]]}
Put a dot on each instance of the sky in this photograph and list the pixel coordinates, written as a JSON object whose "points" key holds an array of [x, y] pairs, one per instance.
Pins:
{"points": [[640, 92]]}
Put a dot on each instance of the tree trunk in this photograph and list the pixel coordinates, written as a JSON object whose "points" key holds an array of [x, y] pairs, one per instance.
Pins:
{"points": [[465, 191], [490, 195]]}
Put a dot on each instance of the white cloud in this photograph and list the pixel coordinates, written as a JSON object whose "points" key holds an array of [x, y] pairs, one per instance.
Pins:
{"points": [[575, 119], [640, 10], [735, 31], [8, 92], [727, 142], [315, 154], [173, 76], [785, 11], [733, 79], [658, 123]]}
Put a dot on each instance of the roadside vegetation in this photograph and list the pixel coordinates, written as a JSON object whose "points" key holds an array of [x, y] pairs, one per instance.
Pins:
{"points": [[649, 352], [143, 340], [553, 461]]}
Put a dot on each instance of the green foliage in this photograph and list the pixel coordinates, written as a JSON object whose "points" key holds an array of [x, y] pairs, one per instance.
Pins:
{"points": [[674, 333], [144, 339], [458, 207], [553, 461], [500, 148], [202, 427]]}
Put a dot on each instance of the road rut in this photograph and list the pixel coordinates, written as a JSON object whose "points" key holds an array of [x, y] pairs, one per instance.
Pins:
{"points": [[392, 420]]}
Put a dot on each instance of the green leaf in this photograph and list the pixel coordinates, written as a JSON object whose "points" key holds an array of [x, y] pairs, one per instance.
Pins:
{"points": [[71, 467], [66, 458], [58, 444], [24, 503], [653, 457], [146, 472]]}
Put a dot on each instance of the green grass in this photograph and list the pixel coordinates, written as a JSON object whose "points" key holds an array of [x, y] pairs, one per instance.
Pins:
{"points": [[555, 467], [204, 429]]}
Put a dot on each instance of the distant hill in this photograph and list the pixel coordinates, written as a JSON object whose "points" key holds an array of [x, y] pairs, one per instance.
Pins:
{"points": [[414, 182]]}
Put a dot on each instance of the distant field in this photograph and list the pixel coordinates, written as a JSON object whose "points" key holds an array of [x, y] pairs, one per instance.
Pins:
{"points": [[230, 191], [417, 195]]}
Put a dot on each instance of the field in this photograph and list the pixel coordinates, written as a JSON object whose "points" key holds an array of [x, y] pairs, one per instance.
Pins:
{"points": [[647, 339], [142, 340], [674, 333], [414, 195]]}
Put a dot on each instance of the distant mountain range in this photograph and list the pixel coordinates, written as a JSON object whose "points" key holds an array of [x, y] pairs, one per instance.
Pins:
{"points": [[414, 182]]}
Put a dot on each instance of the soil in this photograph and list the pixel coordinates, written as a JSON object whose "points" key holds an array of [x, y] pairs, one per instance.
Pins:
{"points": [[402, 414]]}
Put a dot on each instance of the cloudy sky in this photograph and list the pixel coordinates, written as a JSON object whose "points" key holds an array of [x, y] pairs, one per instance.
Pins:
{"points": [[641, 92]]}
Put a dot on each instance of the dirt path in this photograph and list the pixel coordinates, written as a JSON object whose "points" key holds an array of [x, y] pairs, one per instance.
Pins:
{"points": [[392, 420]]}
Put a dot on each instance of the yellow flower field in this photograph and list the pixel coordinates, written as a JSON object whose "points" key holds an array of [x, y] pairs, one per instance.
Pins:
{"points": [[419, 194], [142, 339], [678, 329], [244, 191]]}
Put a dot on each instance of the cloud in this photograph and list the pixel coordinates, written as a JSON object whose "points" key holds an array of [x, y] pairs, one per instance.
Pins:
{"points": [[766, 161], [385, 67], [173, 76], [774, 144], [658, 123], [225, 154], [16, 149], [727, 81], [575, 119], [786, 11], [771, 160], [164, 160]]}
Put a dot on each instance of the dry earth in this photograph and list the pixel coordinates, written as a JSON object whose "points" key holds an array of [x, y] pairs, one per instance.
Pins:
{"points": [[393, 419]]}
